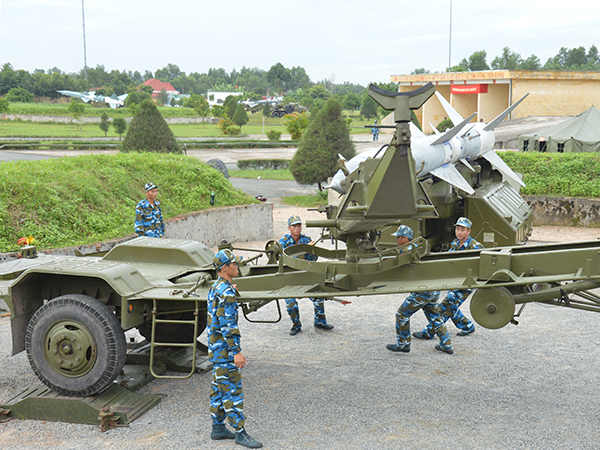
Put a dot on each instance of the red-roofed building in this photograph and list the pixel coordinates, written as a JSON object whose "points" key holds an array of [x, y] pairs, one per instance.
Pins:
{"points": [[158, 86]]}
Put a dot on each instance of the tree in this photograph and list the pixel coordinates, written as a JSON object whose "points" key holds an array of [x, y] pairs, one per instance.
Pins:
{"points": [[369, 107], [120, 125], [76, 110], [4, 107], [531, 63], [137, 97], [240, 117], [477, 61], [104, 124], [509, 60], [279, 77], [352, 101], [266, 110], [202, 108], [231, 104], [296, 124], [219, 111], [19, 95], [326, 137], [149, 132]]}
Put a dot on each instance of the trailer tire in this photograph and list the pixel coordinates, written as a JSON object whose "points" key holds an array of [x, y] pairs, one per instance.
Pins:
{"points": [[219, 165], [75, 345], [174, 333]]}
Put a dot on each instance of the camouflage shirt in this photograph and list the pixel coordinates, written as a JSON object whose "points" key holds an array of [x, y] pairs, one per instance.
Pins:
{"points": [[222, 322], [148, 219], [470, 244], [288, 241]]}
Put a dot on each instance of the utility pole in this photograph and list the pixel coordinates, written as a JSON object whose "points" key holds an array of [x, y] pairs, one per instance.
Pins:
{"points": [[84, 50], [449, 39]]}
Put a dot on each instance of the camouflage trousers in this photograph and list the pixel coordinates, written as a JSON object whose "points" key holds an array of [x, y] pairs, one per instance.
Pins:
{"points": [[427, 301], [294, 312], [450, 309], [227, 398]]}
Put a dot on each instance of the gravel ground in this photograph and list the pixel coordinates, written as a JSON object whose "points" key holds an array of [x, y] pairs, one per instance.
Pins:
{"points": [[522, 387]]}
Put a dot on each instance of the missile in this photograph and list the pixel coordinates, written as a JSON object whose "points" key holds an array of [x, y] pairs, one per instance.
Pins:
{"points": [[438, 154]]}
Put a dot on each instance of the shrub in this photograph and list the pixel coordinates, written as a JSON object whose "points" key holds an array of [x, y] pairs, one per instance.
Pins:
{"points": [[274, 135], [149, 132], [444, 125], [233, 130], [19, 95]]}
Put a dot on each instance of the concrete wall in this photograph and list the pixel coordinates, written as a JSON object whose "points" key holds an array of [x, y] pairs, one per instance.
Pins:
{"points": [[235, 224], [67, 119], [564, 211]]}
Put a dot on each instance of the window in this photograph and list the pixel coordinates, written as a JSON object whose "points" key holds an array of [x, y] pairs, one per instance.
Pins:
{"points": [[560, 147], [525, 145]]}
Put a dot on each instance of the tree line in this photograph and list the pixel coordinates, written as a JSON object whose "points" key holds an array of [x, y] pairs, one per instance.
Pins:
{"points": [[566, 59]]}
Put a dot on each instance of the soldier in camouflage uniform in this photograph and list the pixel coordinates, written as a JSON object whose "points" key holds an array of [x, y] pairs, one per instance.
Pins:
{"points": [[225, 352], [427, 301], [450, 306], [295, 237], [148, 216]]}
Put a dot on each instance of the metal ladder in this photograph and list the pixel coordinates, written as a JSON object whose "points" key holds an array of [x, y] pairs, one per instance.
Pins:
{"points": [[192, 345]]}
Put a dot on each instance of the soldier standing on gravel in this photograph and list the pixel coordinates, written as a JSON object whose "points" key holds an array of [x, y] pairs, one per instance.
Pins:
{"points": [[427, 301], [148, 215], [225, 352], [450, 306], [295, 237]]}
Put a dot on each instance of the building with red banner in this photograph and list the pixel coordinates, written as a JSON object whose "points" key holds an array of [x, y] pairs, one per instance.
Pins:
{"points": [[488, 93]]}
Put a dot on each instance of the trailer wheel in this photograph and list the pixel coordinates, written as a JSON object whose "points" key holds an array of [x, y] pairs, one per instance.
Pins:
{"points": [[173, 332], [219, 165], [75, 345]]}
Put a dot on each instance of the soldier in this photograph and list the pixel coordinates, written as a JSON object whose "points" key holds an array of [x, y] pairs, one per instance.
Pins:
{"points": [[375, 131], [427, 301], [294, 237], [148, 216], [225, 352], [450, 306]]}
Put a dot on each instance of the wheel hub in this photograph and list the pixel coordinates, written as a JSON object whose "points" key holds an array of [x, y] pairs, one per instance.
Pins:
{"points": [[70, 348], [492, 307]]}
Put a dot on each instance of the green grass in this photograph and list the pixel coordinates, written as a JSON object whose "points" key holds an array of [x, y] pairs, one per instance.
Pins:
{"points": [[319, 198], [87, 199], [265, 174]]}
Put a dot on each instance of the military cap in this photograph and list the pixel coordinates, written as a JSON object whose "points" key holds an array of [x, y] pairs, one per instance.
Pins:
{"points": [[405, 231], [149, 186], [463, 222], [294, 220], [225, 257]]}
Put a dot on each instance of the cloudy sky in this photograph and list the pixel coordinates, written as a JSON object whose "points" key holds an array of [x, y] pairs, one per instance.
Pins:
{"points": [[355, 41]]}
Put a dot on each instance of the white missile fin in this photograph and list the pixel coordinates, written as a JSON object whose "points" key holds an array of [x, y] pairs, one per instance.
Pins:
{"points": [[449, 174], [454, 115], [466, 163], [415, 132], [494, 123], [502, 167], [449, 134], [435, 130]]}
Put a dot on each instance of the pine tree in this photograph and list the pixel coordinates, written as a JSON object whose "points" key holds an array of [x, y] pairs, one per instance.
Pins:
{"points": [[148, 132], [317, 155], [104, 123], [231, 104], [240, 117]]}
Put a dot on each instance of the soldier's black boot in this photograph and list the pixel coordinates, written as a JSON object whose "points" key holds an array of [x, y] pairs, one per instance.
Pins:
{"points": [[220, 431], [242, 438]]}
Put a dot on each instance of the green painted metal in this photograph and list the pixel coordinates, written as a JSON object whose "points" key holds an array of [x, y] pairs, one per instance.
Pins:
{"points": [[116, 404], [67, 345], [144, 278]]}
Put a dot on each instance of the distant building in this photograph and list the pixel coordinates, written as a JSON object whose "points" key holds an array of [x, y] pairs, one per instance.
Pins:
{"points": [[158, 86], [217, 98], [551, 93]]}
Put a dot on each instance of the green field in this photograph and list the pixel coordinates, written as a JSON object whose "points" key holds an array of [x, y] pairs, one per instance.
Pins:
{"points": [[256, 125]]}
